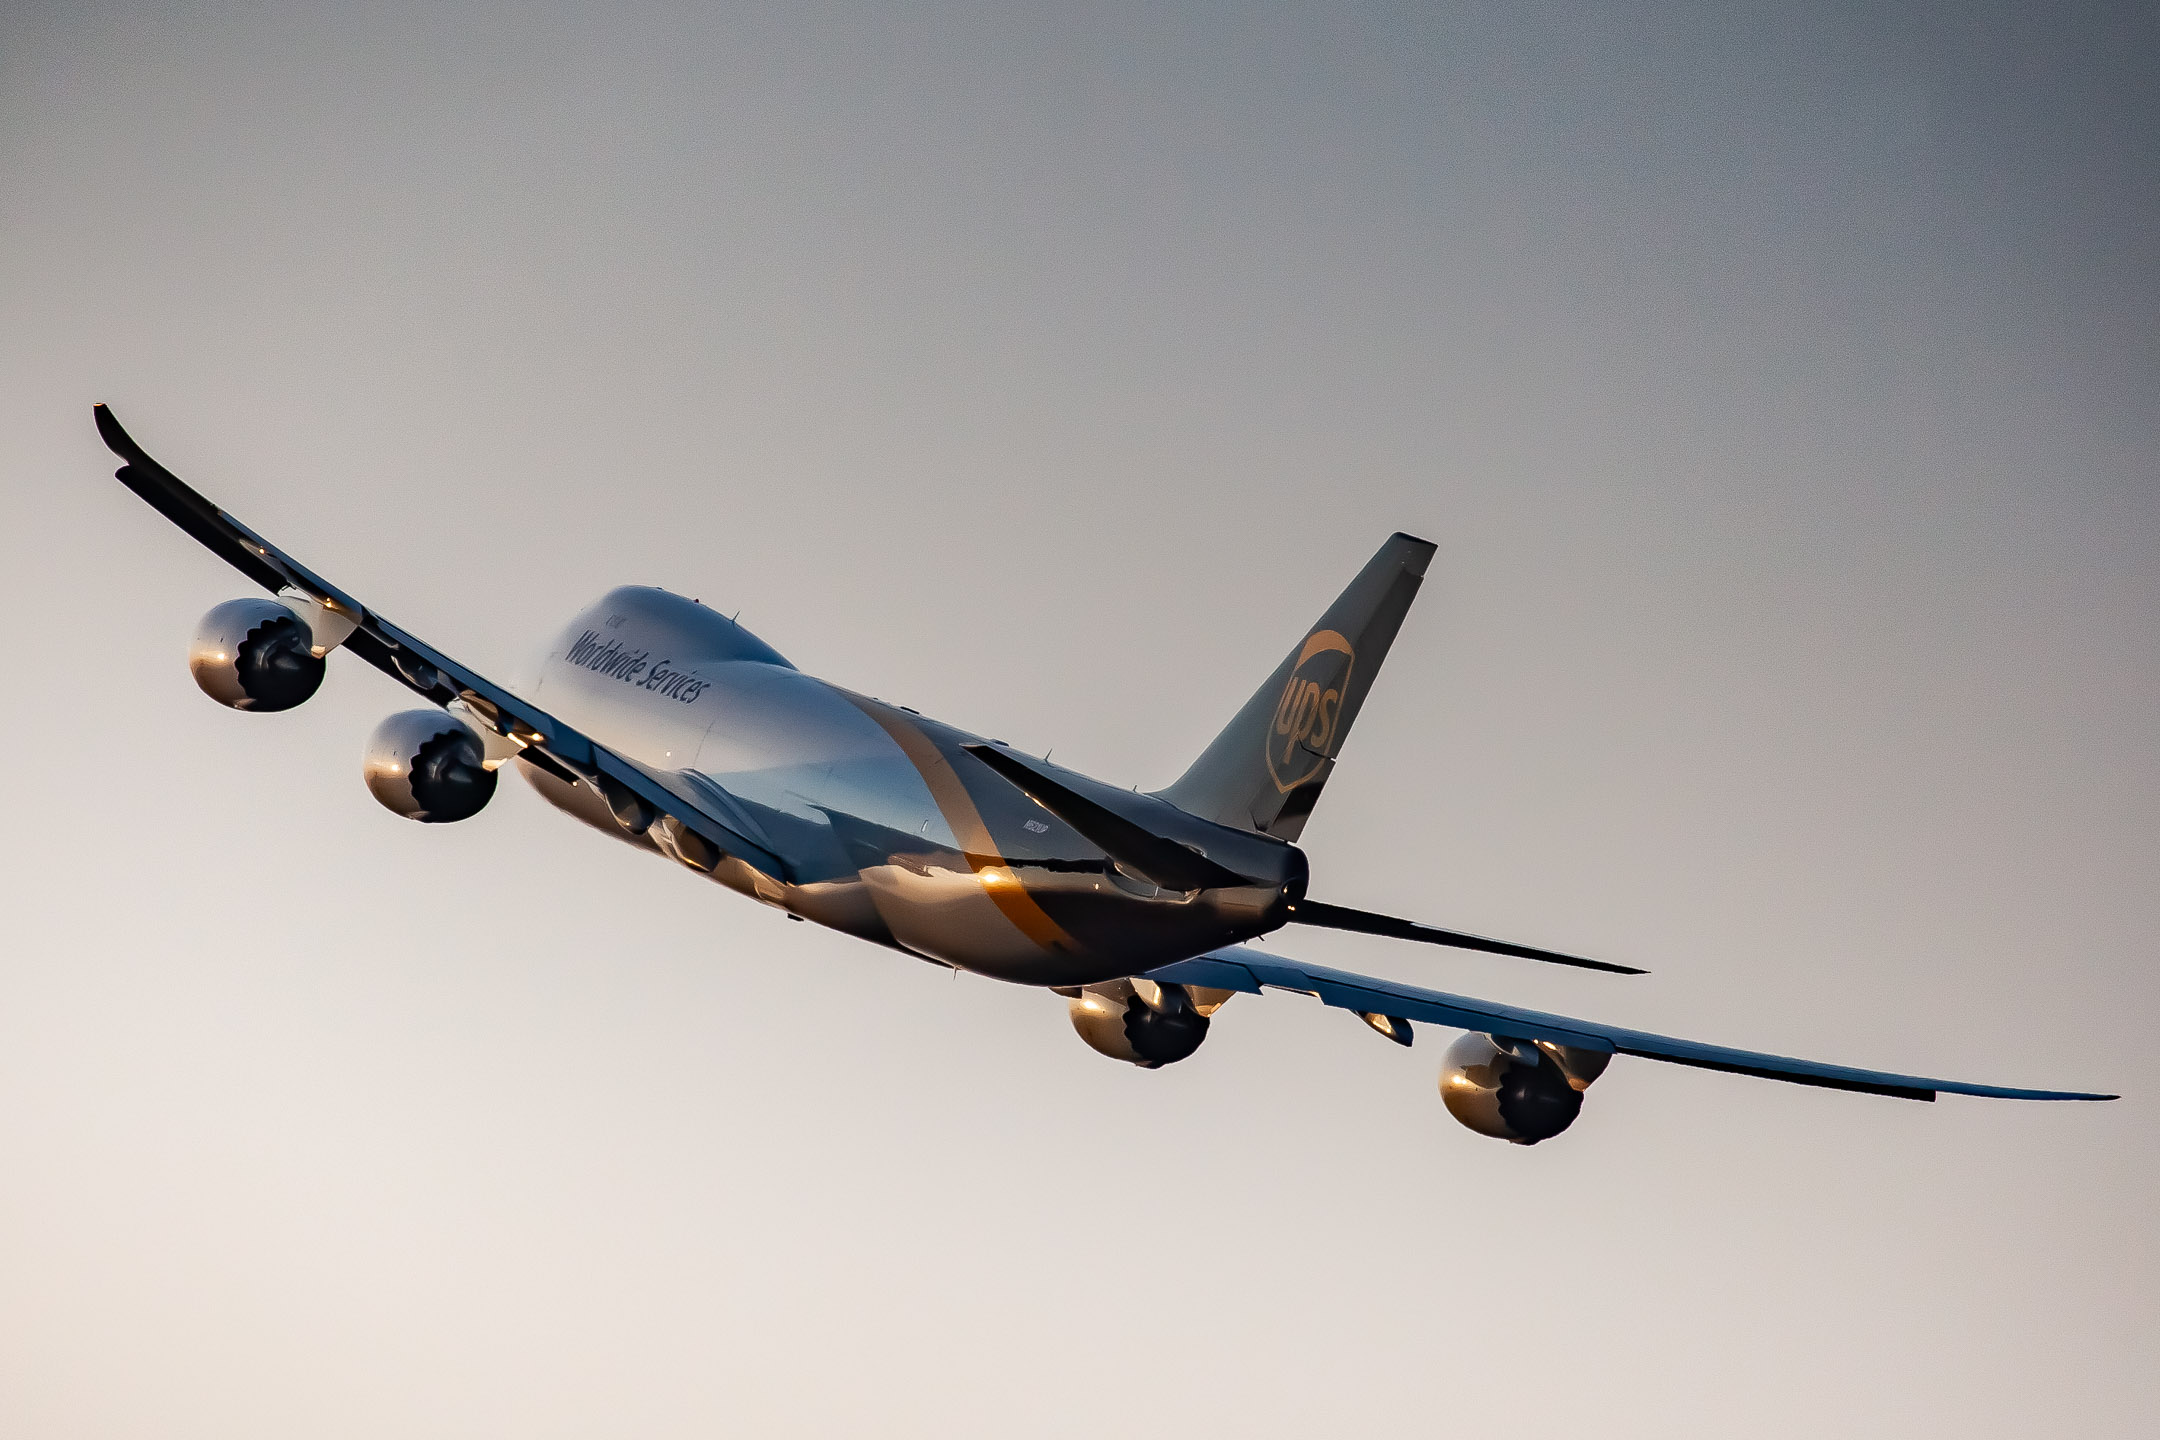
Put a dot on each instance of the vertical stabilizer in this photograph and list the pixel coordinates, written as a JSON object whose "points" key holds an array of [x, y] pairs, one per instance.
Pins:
{"points": [[1265, 770]]}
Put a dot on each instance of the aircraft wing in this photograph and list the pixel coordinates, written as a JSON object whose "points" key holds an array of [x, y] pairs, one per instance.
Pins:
{"points": [[1248, 970], [636, 794]]}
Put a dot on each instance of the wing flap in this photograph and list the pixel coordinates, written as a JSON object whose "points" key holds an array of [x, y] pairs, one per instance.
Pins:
{"points": [[1251, 971]]}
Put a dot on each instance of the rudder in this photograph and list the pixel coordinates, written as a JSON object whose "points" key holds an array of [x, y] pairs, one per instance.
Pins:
{"points": [[1265, 770]]}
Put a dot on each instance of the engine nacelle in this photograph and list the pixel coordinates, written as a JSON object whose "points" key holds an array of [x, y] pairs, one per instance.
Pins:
{"points": [[1516, 1090], [1143, 1023], [429, 766], [255, 655]]}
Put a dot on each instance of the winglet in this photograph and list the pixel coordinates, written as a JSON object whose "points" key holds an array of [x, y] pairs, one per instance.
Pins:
{"points": [[180, 503]]}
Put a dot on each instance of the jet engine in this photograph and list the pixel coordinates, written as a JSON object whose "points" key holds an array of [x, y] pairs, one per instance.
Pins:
{"points": [[1517, 1090], [255, 655], [1141, 1022], [429, 766]]}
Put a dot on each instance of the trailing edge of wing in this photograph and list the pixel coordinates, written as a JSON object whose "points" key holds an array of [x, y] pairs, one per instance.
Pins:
{"points": [[1247, 970], [1365, 922], [549, 743]]}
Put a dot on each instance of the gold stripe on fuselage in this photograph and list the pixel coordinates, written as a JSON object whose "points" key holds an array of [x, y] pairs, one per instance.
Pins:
{"points": [[977, 846]]}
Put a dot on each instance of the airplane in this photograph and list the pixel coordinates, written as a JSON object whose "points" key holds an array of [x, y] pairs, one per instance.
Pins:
{"points": [[671, 728]]}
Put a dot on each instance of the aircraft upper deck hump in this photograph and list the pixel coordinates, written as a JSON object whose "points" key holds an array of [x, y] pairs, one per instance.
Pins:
{"points": [[1266, 769], [638, 620]]}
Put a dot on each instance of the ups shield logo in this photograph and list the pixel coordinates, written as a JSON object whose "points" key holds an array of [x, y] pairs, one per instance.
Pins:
{"points": [[1308, 717]]}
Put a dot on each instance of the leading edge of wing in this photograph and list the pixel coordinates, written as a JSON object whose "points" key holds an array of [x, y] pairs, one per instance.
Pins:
{"points": [[548, 742], [1244, 969]]}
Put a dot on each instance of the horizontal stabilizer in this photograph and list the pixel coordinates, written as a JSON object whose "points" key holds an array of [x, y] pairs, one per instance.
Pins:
{"points": [[1163, 861], [1364, 922]]}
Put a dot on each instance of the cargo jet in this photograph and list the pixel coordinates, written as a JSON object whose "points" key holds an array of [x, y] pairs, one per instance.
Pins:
{"points": [[667, 726]]}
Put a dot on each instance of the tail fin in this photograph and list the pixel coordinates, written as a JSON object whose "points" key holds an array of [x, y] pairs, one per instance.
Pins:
{"points": [[1265, 770]]}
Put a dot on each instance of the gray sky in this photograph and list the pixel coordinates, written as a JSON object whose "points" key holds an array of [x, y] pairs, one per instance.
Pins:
{"points": [[1781, 392]]}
